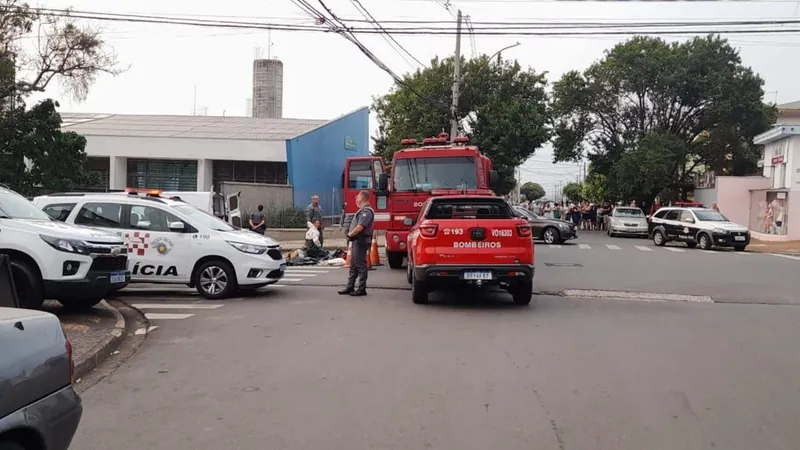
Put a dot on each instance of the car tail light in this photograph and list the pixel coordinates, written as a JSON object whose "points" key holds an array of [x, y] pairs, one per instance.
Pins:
{"points": [[524, 230], [68, 346], [428, 230]]}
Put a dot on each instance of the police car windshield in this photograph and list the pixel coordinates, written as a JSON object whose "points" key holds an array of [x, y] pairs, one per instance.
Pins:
{"points": [[201, 217], [710, 216], [425, 174], [628, 212], [15, 206]]}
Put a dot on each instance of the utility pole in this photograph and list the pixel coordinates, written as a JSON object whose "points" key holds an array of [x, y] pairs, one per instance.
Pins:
{"points": [[456, 81]]}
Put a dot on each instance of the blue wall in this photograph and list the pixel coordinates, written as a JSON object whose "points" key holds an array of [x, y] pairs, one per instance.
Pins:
{"points": [[315, 160]]}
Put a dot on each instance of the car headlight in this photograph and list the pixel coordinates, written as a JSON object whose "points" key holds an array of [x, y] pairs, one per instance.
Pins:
{"points": [[248, 248], [66, 245], [720, 231]]}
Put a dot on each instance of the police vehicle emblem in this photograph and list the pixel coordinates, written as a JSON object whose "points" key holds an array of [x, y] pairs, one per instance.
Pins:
{"points": [[162, 245]]}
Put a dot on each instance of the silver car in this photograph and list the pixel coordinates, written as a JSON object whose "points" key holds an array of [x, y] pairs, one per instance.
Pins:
{"points": [[627, 221]]}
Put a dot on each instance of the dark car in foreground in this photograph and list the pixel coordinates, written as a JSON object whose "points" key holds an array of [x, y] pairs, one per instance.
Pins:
{"points": [[551, 231], [39, 410]]}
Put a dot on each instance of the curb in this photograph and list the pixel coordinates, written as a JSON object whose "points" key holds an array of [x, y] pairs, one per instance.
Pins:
{"points": [[103, 350]]}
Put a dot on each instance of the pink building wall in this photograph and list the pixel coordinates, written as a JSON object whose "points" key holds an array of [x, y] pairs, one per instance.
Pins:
{"points": [[733, 196], [793, 226]]}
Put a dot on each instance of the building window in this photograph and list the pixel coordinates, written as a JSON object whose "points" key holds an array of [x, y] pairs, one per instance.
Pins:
{"points": [[100, 166], [266, 172], [166, 174]]}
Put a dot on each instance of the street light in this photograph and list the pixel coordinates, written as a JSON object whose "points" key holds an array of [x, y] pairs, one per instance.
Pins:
{"points": [[497, 53]]}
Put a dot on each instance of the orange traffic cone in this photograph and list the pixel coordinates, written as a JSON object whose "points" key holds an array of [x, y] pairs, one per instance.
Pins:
{"points": [[374, 256], [347, 259]]}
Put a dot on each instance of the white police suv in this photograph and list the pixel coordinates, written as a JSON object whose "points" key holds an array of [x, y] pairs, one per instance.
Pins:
{"points": [[76, 266], [170, 241], [697, 227]]}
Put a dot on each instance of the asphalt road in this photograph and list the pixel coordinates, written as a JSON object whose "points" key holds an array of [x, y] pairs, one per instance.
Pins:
{"points": [[303, 368], [595, 261]]}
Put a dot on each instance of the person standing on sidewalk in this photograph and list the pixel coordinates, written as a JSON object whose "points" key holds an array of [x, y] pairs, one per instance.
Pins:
{"points": [[360, 237], [313, 214], [258, 221]]}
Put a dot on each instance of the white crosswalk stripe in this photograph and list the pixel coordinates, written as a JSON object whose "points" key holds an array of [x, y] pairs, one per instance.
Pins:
{"points": [[554, 246], [709, 251], [673, 249], [643, 248], [613, 247], [584, 246], [797, 258], [175, 306], [164, 316]]}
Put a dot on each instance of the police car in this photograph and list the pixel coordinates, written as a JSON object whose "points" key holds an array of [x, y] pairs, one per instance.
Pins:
{"points": [[472, 240], [697, 227], [74, 265], [171, 241]]}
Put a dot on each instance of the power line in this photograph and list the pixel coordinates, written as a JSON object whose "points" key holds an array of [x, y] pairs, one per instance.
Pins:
{"points": [[541, 29], [388, 37]]}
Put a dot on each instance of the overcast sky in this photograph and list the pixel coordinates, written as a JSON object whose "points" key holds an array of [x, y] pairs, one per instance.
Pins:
{"points": [[325, 76]]}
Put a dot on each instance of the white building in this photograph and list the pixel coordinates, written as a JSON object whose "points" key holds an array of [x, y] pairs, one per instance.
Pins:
{"points": [[781, 161]]}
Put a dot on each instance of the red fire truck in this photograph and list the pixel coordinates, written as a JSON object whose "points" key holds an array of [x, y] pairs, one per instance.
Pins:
{"points": [[437, 167]]}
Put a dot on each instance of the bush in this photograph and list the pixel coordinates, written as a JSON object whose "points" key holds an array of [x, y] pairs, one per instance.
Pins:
{"points": [[285, 217]]}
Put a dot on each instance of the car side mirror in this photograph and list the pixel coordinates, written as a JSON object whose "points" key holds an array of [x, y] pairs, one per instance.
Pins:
{"points": [[383, 182], [494, 179], [177, 226], [408, 221]]}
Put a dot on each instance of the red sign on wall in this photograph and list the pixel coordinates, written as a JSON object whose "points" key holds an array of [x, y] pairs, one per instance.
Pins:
{"points": [[777, 159]]}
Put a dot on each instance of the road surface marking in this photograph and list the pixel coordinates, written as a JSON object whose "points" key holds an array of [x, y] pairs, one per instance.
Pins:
{"points": [[294, 280], [277, 285], [584, 246], [304, 271], [640, 296], [708, 251], [797, 258], [554, 246], [159, 316], [174, 306], [673, 249], [742, 253], [644, 248], [612, 247], [142, 331]]}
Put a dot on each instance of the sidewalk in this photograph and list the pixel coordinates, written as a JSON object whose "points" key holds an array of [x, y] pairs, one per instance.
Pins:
{"points": [[786, 247]]}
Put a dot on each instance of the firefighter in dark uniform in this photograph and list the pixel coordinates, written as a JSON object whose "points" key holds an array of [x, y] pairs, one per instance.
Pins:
{"points": [[360, 237]]}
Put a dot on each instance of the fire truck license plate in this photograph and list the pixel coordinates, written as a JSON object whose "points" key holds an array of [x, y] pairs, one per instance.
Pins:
{"points": [[478, 276]]}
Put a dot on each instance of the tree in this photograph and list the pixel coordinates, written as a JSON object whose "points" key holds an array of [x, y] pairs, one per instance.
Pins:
{"points": [[65, 51], [532, 191], [502, 108], [34, 152], [573, 192], [37, 154], [595, 188], [650, 113]]}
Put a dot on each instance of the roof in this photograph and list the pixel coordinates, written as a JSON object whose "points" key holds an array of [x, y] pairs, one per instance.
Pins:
{"points": [[790, 105], [776, 133], [198, 127]]}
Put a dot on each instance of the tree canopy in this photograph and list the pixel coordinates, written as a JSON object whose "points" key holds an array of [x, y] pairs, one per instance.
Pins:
{"points": [[572, 191], [650, 113], [502, 108], [34, 152], [532, 191]]}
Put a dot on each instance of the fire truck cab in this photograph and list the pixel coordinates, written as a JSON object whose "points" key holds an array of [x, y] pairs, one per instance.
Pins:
{"points": [[437, 167]]}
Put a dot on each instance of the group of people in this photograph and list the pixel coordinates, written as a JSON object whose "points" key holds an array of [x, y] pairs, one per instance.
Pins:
{"points": [[359, 236], [586, 215]]}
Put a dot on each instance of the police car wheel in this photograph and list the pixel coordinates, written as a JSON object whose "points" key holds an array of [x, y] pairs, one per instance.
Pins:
{"points": [[215, 279], [522, 293], [28, 284], [704, 242], [658, 238]]}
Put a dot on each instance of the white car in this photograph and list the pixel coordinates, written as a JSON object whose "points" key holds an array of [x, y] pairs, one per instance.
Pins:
{"points": [[171, 241], [74, 265]]}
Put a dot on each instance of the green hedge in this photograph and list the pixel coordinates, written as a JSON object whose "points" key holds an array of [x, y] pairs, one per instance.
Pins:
{"points": [[285, 217]]}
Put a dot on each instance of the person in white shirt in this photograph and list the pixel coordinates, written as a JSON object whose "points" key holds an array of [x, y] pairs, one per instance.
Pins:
{"points": [[313, 244]]}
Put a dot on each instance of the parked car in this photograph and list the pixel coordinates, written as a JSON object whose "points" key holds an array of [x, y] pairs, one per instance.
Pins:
{"points": [[75, 265], [697, 227], [551, 231], [38, 407], [626, 221]]}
